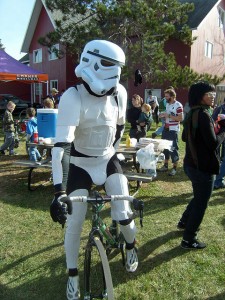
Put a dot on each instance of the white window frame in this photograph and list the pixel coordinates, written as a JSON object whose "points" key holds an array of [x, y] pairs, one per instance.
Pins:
{"points": [[51, 53], [38, 89], [54, 84], [208, 49], [221, 18], [37, 56]]}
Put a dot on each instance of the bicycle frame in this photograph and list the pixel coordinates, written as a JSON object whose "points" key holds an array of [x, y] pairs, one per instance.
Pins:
{"points": [[111, 238]]}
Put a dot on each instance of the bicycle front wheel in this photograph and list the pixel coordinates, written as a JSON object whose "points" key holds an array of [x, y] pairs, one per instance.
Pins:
{"points": [[97, 276]]}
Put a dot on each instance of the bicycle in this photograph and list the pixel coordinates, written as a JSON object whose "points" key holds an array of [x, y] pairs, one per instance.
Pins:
{"points": [[102, 239]]}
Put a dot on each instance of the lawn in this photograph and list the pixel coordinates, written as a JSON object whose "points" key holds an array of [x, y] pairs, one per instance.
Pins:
{"points": [[32, 259]]}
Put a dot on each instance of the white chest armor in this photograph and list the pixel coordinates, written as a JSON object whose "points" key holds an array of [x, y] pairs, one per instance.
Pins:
{"points": [[96, 130], [89, 121]]}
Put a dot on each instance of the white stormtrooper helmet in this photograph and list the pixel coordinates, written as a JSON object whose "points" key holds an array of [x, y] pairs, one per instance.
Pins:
{"points": [[100, 66]]}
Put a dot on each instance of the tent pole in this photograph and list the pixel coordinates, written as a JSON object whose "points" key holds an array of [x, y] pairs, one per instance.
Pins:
{"points": [[34, 93], [31, 94], [47, 88]]}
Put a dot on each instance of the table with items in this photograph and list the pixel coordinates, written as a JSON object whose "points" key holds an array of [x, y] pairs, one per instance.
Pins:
{"points": [[134, 173]]}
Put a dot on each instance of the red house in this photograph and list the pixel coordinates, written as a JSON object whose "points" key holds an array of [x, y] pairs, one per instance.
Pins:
{"points": [[206, 55]]}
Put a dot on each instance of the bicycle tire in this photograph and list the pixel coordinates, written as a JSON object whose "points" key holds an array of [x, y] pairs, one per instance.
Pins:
{"points": [[96, 265]]}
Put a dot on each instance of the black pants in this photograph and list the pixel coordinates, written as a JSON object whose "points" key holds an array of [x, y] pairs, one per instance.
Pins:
{"points": [[202, 184]]}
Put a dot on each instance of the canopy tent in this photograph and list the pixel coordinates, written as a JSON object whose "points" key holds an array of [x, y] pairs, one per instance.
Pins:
{"points": [[13, 70]]}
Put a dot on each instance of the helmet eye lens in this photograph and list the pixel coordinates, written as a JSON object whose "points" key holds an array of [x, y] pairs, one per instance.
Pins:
{"points": [[106, 63]]}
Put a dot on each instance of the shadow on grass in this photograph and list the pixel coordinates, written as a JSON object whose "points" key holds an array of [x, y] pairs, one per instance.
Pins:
{"points": [[23, 259], [147, 261], [179, 177], [36, 286], [218, 198], [155, 204], [223, 223], [217, 297]]}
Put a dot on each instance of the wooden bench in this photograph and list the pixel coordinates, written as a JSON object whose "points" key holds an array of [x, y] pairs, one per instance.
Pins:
{"points": [[138, 177], [32, 166]]}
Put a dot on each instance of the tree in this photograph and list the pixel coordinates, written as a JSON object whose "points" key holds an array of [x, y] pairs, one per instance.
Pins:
{"points": [[140, 27], [1, 45]]}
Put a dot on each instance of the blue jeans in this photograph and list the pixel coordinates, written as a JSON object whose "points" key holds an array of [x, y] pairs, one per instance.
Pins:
{"points": [[219, 178], [171, 135], [160, 129], [34, 154], [9, 142], [202, 184]]}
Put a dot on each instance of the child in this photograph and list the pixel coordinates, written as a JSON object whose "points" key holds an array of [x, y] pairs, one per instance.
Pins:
{"points": [[30, 129], [48, 103], [9, 130], [145, 119]]}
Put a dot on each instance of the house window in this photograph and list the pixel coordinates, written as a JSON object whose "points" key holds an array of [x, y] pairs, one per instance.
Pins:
{"points": [[38, 89], [221, 20], [208, 49], [37, 56], [54, 84], [53, 52]]}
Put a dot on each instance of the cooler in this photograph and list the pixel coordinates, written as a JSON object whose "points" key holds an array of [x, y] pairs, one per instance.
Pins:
{"points": [[46, 122]]}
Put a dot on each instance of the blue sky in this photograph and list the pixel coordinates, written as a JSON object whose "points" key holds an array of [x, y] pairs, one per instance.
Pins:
{"points": [[14, 19]]}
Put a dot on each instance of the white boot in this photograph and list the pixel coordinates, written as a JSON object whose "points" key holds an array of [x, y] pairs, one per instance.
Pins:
{"points": [[73, 290], [131, 260]]}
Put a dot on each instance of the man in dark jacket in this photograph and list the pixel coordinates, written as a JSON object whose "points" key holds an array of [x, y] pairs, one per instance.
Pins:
{"points": [[201, 161]]}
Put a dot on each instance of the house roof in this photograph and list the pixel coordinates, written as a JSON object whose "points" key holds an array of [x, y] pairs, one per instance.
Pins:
{"points": [[13, 70], [202, 8], [33, 23]]}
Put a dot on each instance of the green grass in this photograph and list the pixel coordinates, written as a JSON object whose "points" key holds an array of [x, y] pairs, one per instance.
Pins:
{"points": [[32, 259]]}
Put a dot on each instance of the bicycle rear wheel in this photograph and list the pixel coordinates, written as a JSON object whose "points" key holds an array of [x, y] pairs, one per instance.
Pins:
{"points": [[97, 276]]}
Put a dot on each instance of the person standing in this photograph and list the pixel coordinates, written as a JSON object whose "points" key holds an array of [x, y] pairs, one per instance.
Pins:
{"points": [[173, 116], [159, 130], [220, 110], [9, 129], [145, 118], [48, 103], [153, 102], [201, 161], [162, 107], [53, 96], [133, 115], [31, 129]]}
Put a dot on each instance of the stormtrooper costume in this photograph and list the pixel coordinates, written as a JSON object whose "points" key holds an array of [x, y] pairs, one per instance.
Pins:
{"points": [[91, 118]]}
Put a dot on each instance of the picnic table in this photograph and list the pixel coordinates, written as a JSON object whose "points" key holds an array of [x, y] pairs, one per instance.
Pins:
{"points": [[139, 176], [32, 166]]}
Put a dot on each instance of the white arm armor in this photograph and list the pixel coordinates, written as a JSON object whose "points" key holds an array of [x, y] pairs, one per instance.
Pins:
{"points": [[57, 172], [122, 105], [66, 124]]}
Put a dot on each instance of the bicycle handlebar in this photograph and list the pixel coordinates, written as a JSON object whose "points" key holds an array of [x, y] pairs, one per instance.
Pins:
{"points": [[99, 198], [137, 204]]}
